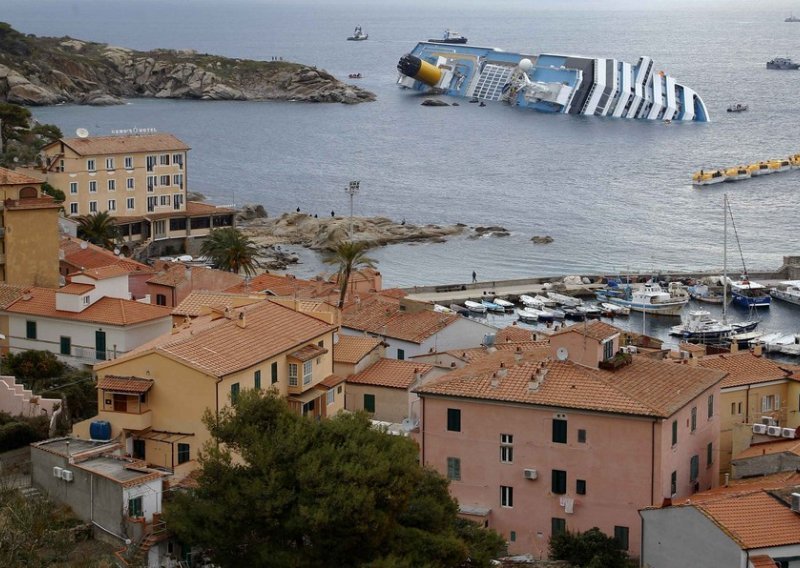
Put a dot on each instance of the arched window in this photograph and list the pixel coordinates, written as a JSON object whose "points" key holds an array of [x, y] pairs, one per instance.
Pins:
{"points": [[28, 193]]}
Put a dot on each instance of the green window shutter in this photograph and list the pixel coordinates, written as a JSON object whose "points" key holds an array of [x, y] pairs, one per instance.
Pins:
{"points": [[454, 420], [559, 431], [234, 392], [66, 345], [30, 330], [369, 403], [257, 379]]}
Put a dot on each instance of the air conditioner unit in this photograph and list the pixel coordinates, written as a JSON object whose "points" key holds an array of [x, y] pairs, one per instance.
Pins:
{"points": [[796, 502], [530, 473], [787, 432], [759, 428], [66, 475], [57, 471], [774, 430], [768, 420]]}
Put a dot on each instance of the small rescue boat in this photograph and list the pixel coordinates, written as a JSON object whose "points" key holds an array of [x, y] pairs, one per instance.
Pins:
{"points": [[708, 177]]}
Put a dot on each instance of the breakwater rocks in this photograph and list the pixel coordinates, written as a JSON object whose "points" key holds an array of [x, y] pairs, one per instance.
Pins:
{"points": [[324, 233], [46, 71]]}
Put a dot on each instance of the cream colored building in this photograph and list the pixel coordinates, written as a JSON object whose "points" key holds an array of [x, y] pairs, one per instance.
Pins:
{"points": [[29, 234], [124, 175], [154, 398]]}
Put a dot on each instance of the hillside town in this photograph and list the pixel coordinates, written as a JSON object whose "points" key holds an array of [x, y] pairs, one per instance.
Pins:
{"points": [[676, 454]]}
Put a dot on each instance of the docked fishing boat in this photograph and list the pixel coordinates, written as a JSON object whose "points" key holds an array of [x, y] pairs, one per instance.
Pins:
{"points": [[492, 306], [551, 83], [748, 294], [529, 301], [650, 299], [358, 35], [779, 165], [563, 300], [759, 169], [505, 304], [702, 293], [613, 310], [738, 107], [782, 63], [708, 177], [788, 291], [572, 313], [450, 37], [475, 307], [736, 173], [700, 327], [591, 312], [529, 315]]}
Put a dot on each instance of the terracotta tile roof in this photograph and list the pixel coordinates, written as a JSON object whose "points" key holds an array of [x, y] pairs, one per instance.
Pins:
{"points": [[594, 329], [76, 288], [200, 301], [790, 446], [219, 346], [744, 368], [109, 311], [762, 561], [201, 278], [645, 387], [746, 485], [82, 254], [9, 294], [472, 354], [103, 272], [331, 381], [390, 373], [11, 177], [44, 202], [382, 316], [277, 285], [308, 352], [352, 348], [124, 384], [692, 347], [106, 145], [513, 333]]}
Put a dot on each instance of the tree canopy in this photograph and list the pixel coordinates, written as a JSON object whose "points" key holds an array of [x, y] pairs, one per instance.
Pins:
{"points": [[590, 549], [279, 489], [350, 257], [228, 249], [98, 229], [22, 138]]}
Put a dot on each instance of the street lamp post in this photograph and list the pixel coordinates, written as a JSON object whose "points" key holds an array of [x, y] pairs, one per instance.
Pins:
{"points": [[352, 190]]}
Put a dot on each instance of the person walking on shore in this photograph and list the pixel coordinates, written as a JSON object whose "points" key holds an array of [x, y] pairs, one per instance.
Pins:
{"points": [[474, 276]]}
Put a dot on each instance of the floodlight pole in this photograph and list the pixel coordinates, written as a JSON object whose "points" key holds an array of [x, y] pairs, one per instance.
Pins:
{"points": [[352, 189]]}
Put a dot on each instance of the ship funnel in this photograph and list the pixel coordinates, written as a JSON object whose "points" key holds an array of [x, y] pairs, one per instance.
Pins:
{"points": [[414, 67]]}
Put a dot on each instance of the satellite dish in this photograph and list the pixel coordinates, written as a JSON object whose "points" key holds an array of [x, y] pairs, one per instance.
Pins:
{"points": [[84, 245], [116, 251], [562, 354], [82, 133]]}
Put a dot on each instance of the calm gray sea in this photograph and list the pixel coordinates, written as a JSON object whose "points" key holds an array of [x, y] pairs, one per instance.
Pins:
{"points": [[614, 194]]}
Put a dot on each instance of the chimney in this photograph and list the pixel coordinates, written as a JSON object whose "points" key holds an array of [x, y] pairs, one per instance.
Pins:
{"points": [[417, 376], [495, 382], [727, 479], [758, 349], [241, 322], [734, 347]]}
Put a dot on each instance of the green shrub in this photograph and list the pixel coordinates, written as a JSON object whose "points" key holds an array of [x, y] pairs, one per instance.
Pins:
{"points": [[17, 435]]}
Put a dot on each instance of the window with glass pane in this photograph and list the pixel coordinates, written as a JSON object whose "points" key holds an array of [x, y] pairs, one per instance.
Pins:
{"points": [[506, 496], [292, 374], [454, 420], [506, 448], [308, 367], [710, 405], [694, 468], [183, 453], [454, 469], [621, 536], [369, 403], [257, 379], [274, 372], [559, 482], [694, 418], [559, 431]]}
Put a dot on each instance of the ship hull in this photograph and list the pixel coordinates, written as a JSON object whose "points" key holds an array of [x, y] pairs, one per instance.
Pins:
{"points": [[551, 83]]}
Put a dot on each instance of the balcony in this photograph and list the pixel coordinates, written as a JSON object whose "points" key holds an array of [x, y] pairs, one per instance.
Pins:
{"points": [[127, 420]]}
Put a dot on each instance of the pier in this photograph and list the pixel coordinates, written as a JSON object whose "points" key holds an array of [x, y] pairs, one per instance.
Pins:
{"points": [[458, 292]]}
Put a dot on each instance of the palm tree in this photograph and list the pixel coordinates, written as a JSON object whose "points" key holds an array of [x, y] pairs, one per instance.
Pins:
{"points": [[350, 256], [230, 250], [98, 229]]}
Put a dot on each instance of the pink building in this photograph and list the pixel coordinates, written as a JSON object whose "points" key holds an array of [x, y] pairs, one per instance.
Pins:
{"points": [[532, 448]]}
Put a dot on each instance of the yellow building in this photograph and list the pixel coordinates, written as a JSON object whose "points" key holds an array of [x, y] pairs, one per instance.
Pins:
{"points": [[124, 175], [29, 235], [755, 390], [154, 397]]}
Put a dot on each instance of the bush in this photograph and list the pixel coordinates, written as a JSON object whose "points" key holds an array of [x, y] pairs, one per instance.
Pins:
{"points": [[19, 434], [590, 549]]}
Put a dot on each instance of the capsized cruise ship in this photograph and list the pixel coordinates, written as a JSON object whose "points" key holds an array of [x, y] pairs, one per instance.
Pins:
{"points": [[551, 83]]}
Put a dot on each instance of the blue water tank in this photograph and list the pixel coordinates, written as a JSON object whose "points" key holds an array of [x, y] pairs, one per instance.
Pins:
{"points": [[100, 430]]}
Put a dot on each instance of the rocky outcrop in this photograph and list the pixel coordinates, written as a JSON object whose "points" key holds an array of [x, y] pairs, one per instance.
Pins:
{"points": [[44, 71], [326, 233], [539, 240]]}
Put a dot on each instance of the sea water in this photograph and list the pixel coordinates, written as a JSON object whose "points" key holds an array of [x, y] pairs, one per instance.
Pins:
{"points": [[615, 195]]}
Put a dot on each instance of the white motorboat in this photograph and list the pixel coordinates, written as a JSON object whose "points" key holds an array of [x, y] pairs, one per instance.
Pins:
{"points": [[505, 304], [529, 315], [475, 307], [788, 291], [563, 300], [492, 306], [700, 326], [651, 299], [792, 348], [441, 309], [545, 301], [775, 342], [614, 309], [553, 313], [529, 301], [591, 312]]}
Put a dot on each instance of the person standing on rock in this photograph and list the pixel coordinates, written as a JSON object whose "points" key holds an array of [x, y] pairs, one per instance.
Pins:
{"points": [[474, 276]]}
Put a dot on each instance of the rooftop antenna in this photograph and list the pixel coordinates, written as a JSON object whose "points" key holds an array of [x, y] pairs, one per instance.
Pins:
{"points": [[82, 133]]}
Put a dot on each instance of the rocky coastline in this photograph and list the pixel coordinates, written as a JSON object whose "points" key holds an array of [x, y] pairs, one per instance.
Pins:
{"points": [[40, 71]]}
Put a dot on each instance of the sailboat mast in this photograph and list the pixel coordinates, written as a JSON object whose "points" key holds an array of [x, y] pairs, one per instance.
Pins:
{"points": [[725, 261]]}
